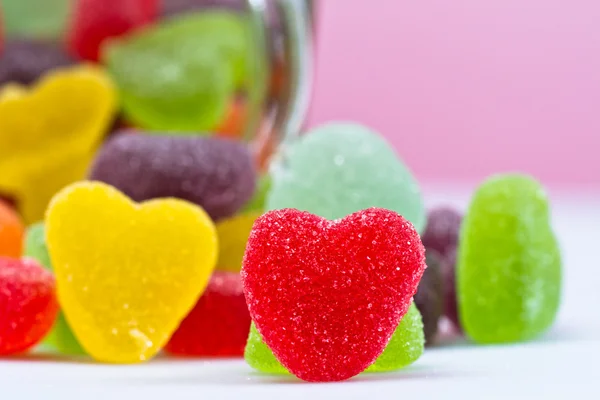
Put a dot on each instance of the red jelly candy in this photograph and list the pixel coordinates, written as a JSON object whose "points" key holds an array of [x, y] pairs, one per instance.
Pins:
{"points": [[28, 305], [326, 296], [218, 324], [94, 21]]}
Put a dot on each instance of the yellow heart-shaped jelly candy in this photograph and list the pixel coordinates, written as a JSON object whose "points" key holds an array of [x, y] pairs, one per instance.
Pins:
{"points": [[127, 273], [48, 133]]}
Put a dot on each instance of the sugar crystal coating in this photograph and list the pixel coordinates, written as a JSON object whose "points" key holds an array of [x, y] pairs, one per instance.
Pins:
{"points": [[127, 273], [509, 264], [25, 61], [217, 174], [184, 88], [340, 168], [218, 324], [61, 336], [442, 230], [11, 231], [95, 21], [326, 296], [430, 296], [28, 304]]}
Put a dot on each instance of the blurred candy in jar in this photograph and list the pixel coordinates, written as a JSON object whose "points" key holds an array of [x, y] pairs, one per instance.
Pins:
{"points": [[95, 21], [40, 19]]}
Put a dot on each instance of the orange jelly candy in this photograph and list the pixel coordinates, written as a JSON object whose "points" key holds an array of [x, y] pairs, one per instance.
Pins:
{"points": [[11, 232]]}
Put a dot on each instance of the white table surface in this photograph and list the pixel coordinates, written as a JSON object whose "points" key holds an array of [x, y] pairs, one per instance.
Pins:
{"points": [[565, 363]]}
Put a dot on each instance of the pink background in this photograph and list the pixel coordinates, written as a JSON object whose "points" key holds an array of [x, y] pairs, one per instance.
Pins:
{"points": [[465, 88]]}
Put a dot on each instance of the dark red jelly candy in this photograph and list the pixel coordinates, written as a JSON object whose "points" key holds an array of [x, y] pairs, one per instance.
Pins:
{"points": [[430, 296], [218, 325], [216, 173], [326, 296], [442, 230], [94, 21], [449, 272], [24, 61], [28, 305]]}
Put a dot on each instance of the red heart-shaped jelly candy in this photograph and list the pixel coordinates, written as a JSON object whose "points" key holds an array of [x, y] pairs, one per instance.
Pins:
{"points": [[326, 296]]}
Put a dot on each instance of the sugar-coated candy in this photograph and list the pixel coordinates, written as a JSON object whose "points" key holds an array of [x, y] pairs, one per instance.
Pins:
{"points": [[170, 8], [28, 304], [509, 263], [183, 88], [215, 173], [341, 168], [404, 348], [127, 273], [25, 61], [257, 202], [61, 337], [95, 21], [442, 230], [49, 132], [326, 296], [45, 19], [11, 231], [430, 295], [218, 325], [233, 234]]}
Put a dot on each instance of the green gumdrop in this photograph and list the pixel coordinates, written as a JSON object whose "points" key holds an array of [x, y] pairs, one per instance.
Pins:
{"points": [[35, 245], [405, 347], [39, 19], [257, 202], [509, 265], [340, 168], [180, 75], [61, 337]]}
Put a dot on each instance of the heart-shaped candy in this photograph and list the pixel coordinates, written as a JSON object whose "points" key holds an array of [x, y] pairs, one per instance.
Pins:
{"points": [[326, 296], [127, 273], [48, 134]]}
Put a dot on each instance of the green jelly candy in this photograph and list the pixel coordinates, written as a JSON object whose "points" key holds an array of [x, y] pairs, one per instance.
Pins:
{"points": [[257, 202], [509, 264], [341, 168], [38, 19], [405, 347], [61, 337], [35, 245], [179, 76]]}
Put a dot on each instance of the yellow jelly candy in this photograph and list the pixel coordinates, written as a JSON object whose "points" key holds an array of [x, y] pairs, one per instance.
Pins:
{"points": [[233, 235], [48, 133], [127, 273]]}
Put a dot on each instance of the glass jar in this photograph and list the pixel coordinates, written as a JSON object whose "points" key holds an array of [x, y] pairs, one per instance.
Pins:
{"points": [[266, 105]]}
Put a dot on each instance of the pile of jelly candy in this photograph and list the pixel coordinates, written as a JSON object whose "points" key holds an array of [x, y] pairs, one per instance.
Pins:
{"points": [[135, 219]]}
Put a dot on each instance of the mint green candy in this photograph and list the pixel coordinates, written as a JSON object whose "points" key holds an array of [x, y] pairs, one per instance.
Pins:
{"points": [[340, 168], [405, 347], [509, 264], [61, 337], [180, 75], [37, 19]]}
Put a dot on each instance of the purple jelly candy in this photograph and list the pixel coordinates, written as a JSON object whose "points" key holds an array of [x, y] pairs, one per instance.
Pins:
{"points": [[449, 272], [441, 232], [24, 61], [217, 174], [175, 7], [429, 298]]}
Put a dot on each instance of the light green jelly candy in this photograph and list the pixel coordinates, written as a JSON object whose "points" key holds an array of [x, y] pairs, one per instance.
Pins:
{"points": [[405, 347], [38, 19], [340, 168], [180, 75], [61, 337], [509, 265]]}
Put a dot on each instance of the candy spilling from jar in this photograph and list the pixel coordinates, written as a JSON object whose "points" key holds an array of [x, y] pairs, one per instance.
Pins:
{"points": [[135, 217]]}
